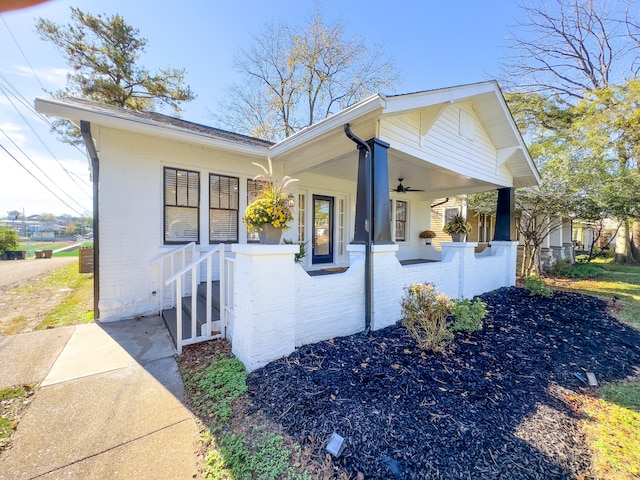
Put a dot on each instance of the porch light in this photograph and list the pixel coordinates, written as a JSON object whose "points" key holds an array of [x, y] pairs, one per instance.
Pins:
{"points": [[291, 201]]}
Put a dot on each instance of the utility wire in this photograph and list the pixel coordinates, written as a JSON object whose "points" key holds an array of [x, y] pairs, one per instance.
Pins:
{"points": [[40, 182], [21, 51], [29, 106], [36, 165], [39, 138]]}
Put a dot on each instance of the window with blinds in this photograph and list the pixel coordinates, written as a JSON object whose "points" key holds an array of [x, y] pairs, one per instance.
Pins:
{"points": [[223, 208], [181, 206]]}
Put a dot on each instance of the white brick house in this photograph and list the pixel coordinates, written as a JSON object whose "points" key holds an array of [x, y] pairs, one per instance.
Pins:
{"points": [[161, 183]]}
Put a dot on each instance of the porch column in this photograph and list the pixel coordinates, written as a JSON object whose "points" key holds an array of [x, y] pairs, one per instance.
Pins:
{"points": [[263, 325], [505, 215], [380, 207]]}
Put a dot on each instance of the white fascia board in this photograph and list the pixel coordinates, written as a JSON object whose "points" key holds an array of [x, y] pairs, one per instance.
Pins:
{"points": [[413, 101], [520, 140], [107, 119], [350, 114]]}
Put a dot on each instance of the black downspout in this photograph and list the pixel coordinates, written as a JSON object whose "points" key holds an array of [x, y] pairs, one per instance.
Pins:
{"points": [[85, 130], [368, 279]]}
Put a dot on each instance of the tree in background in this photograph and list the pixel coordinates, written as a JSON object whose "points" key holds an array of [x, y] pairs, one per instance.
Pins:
{"points": [[294, 77], [102, 52], [574, 65], [9, 239]]}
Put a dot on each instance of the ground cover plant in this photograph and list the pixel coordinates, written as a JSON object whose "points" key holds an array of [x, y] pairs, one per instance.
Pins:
{"points": [[13, 403], [236, 445]]}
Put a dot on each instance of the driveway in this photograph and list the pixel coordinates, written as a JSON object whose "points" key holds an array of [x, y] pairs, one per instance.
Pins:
{"points": [[13, 272]]}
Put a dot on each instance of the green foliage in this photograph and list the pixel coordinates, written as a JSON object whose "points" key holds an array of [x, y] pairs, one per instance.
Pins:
{"points": [[102, 52], [457, 225], [220, 384], [12, 401], [468, 315], [9, 239], [303, 249], [536, 286], [268, 459], [14, 392], [582, 258], [424, 314], [626, 394], [582, 269]]}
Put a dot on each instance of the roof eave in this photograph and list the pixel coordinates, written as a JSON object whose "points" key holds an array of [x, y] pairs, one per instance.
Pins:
{"points": [[75, 113], [350, 114]]}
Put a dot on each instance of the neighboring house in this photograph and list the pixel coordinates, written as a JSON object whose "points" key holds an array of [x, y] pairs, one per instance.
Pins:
{"points": [[555, 247], [161, 183]]}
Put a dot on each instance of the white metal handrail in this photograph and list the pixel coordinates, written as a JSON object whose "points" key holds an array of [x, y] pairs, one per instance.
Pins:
{"points": [[178, 277], [173, 256]]}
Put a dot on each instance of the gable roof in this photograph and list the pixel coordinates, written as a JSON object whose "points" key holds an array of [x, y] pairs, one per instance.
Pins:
{"points": [[325, 140], [76, 109]]}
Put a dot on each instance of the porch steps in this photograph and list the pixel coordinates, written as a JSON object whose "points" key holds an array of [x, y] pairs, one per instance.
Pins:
{"points": [[170, 316]]}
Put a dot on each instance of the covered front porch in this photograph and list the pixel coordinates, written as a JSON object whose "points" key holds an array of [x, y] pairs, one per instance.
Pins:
{"points": [[363, 227]]}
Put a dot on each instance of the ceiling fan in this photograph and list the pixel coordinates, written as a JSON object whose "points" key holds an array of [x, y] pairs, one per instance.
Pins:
{"points": [[402, 189]]}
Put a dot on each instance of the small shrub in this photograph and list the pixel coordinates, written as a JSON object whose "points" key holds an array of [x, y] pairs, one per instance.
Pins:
{"points": [[468, 315], [576, 270], [582, 258], [537, 287], [424, 314], [9, 239]]}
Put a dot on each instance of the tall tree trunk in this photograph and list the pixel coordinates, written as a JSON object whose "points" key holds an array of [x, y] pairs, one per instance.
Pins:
{"points": [[635, 240], [622, 243]]}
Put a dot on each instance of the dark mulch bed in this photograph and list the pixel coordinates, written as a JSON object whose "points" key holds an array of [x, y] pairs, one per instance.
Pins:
{"points": [[497, 405]]}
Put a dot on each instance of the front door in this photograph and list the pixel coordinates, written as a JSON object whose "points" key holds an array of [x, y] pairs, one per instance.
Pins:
{"points": [[322, 229]]}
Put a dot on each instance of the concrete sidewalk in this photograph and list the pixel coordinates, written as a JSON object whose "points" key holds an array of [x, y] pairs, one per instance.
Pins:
{"points": [[109, 405]]}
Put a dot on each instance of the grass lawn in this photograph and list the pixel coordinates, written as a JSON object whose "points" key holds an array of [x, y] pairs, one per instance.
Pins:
{"points": [[31, 247], [77, 307], [612, 423]]}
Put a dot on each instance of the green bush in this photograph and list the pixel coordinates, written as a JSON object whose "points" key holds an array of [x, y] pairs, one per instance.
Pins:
{"points": [[468, 315], [577, 270], [537, 287], [582, 258], [424, 314], [9, 239]]}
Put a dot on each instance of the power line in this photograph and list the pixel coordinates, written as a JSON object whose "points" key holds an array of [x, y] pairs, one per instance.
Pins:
{"points": [[28, 106], [21, 51], [36, 165], [38, 136], [40, 182]]}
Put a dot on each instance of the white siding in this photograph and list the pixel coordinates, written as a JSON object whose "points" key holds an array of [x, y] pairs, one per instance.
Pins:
{"points": [[435, 136]]}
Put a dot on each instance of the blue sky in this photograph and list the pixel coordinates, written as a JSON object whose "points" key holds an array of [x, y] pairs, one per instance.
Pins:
{"points": [[434, 44]]}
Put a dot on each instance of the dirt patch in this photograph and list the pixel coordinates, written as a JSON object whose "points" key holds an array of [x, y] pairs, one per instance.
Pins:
{"points": [[25, 297], [499, 404]]}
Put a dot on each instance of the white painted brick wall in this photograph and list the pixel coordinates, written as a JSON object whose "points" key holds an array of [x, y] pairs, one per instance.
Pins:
{"points": [[265, 313], [329, 306]]}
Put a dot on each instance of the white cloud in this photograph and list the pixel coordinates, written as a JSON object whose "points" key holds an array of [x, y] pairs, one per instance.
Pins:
{"points": [[14, 131], [55, 76]]}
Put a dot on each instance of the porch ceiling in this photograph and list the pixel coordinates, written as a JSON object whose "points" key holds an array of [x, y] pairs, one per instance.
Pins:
{"points": [[417, 174]]}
